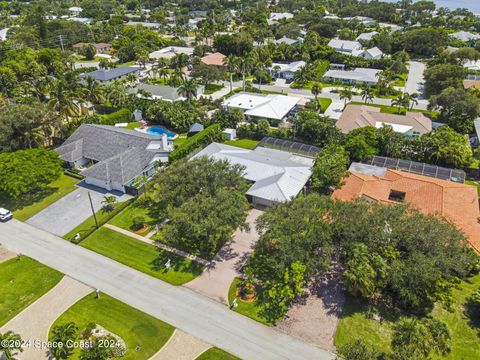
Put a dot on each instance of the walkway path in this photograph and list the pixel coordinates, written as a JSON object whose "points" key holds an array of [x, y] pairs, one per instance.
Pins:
{"points": [[181, 346], [6, 254], [34, 322], [157, 244], [183, 308], [215, 281]]}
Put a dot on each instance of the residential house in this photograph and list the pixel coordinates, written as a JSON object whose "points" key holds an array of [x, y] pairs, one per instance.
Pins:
{"points": [[456, 202], [465, 36], [276, 17], [358, 116], [111, 157], [75, 11], [345, 46], [150, 25], [366, 36], [159, 92], [84, 21], [107, 75], [373, 53], [288, 41], [215, 59], [286, 71], [357, 76], [276, 176], [273, 107], [170, 51], [193, 23]]}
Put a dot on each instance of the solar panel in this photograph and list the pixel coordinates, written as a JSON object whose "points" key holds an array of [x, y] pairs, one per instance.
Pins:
{"points": [[419, 168], [290, 146]]}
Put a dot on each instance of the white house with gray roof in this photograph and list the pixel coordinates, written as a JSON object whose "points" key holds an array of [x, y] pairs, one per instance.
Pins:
{"points": [[360, 76], [160, 92], [277, 176], [110, 157]]}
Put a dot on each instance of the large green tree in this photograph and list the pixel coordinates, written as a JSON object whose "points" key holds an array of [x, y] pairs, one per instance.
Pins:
{"points": [[330, 167]]}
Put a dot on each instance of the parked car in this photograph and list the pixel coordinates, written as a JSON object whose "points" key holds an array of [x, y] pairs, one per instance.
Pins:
{"points": [[5, 215]]}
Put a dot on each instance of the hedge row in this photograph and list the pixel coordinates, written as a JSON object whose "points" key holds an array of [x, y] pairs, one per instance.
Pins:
{"points": [[73, 174], [205, 137], [120, 116], [103, 221]]}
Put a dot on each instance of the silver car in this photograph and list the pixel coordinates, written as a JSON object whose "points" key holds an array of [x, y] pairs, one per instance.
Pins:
{"points": [[5, 215]]}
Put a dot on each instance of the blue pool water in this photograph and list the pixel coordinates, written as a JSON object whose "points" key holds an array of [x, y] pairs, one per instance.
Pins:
{"points": [[159, 131]]}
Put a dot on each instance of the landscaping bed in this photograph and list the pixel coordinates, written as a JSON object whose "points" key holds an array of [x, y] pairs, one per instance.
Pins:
{"points": [[23, 280], [142, 334], [142, 256], [125, 219]]}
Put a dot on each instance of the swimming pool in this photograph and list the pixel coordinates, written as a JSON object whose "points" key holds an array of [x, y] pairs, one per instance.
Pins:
{"points": [[159, 131]]}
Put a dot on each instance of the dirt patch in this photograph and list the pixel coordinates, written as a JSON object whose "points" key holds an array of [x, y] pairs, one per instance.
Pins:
{"points": [[6, 254], [142, 229], [314, 318]]}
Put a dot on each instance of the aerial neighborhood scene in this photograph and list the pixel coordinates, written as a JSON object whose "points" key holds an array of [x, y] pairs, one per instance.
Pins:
{"points": [[253, 179]]}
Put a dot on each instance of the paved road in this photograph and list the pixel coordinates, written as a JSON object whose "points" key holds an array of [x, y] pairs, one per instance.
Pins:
{"points": [[415, 81], [193, 313], [71, 210]]}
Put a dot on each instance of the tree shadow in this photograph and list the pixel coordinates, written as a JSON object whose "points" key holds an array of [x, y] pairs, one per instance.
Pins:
{"points": [[177, 263], [472, 311], [27, 199]]}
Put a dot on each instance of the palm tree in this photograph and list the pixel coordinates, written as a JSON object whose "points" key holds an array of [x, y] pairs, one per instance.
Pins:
{"points": [[163, 73], [115, 92], [301, 75], [188, 89], [64, 100], [108, 203], [246, 63], [62, 334], [316, 89], [93, 91], [10, 345], [401, 101], [131, 79], [231, 63], [346, 94], [412, 99], [367, 94], [179, 61]]}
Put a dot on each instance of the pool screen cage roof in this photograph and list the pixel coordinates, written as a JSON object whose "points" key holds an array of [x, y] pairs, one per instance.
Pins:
{"points": [[290, 146], [419, 168]]}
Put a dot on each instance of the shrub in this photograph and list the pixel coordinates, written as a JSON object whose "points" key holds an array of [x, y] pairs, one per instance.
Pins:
{"points": [[120, 116], [207, 136], [138, 223]]}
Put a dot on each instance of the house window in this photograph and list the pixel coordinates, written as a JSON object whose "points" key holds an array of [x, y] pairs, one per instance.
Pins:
{"points": [[395, 195]]}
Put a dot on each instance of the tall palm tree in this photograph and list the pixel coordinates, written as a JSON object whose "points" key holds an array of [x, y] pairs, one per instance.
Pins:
{"points": [[301, 75], [316, 89], [246, 64], [9, 342], [188, 89], [367, 94], [231, 64], [64, 100], [346, 94], [179, 61], [93, 91], [163, 73], [115, 93], [412, 99], [62, 334], [401, 101]]}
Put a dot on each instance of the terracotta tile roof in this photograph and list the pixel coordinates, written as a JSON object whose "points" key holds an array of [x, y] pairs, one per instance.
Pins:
{"points": [[213, 59], [456, 202], [357, 116], [469, 84]]}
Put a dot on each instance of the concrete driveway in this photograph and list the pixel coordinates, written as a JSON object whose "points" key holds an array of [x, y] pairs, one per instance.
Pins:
{"points": [[415, 81], [71, 210]]}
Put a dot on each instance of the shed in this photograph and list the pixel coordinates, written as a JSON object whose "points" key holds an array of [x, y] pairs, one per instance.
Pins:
{"points": [[229, 134], [194, 129]]}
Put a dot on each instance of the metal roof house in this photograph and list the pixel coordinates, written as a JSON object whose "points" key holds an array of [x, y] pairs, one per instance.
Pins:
{"points": [[116, 156], [361, 76], [170, 51], [345, 46], [286, 71], [159, 92], [277, 176], [106, 75]]}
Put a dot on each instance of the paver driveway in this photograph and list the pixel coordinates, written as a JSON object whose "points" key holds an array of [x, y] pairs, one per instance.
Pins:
{"points": [[71, 210]]}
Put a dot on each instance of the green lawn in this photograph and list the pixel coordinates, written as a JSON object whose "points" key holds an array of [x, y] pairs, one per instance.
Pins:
{"points": [[143, 334], [470, 182], [22, 282], [142, 256], [125, 218], [355, 324], [324, 103], [211, 88], [249, 309], [216, 354], [133, 125], [28, 205], [394, 110], [87, 225], [180, 139], [243, 143], [400, 80]]}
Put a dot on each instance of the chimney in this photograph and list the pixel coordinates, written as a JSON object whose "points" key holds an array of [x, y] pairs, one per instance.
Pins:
{"points": [[164, 142]]}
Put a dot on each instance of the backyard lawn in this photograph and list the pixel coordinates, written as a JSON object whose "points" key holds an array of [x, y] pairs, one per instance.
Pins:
{"points": [[142, 256], [28, 205], [243, 143], [143, 334], [133, 125], [124, 219], [355, 324], [216, 354], [249, 309], [324, 103], [394, 110], [22, 282], [180, 140]]}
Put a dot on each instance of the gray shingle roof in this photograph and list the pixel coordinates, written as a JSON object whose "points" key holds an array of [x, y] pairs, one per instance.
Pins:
{"points": [[120, 154], [110, 74], [166, 92]]}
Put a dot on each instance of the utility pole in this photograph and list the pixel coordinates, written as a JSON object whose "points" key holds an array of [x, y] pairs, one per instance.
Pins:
{"points": [[93, 210]]}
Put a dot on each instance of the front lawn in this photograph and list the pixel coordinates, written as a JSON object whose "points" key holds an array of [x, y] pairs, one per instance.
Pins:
{"points": [[394, 110], [23, 280], [142, 256], [143, 334], [216, 354], [249, 309], [211, 88], [30, 204], [125, 218], [356, 324], [324, 103], [243, 143], [88, 225]]}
